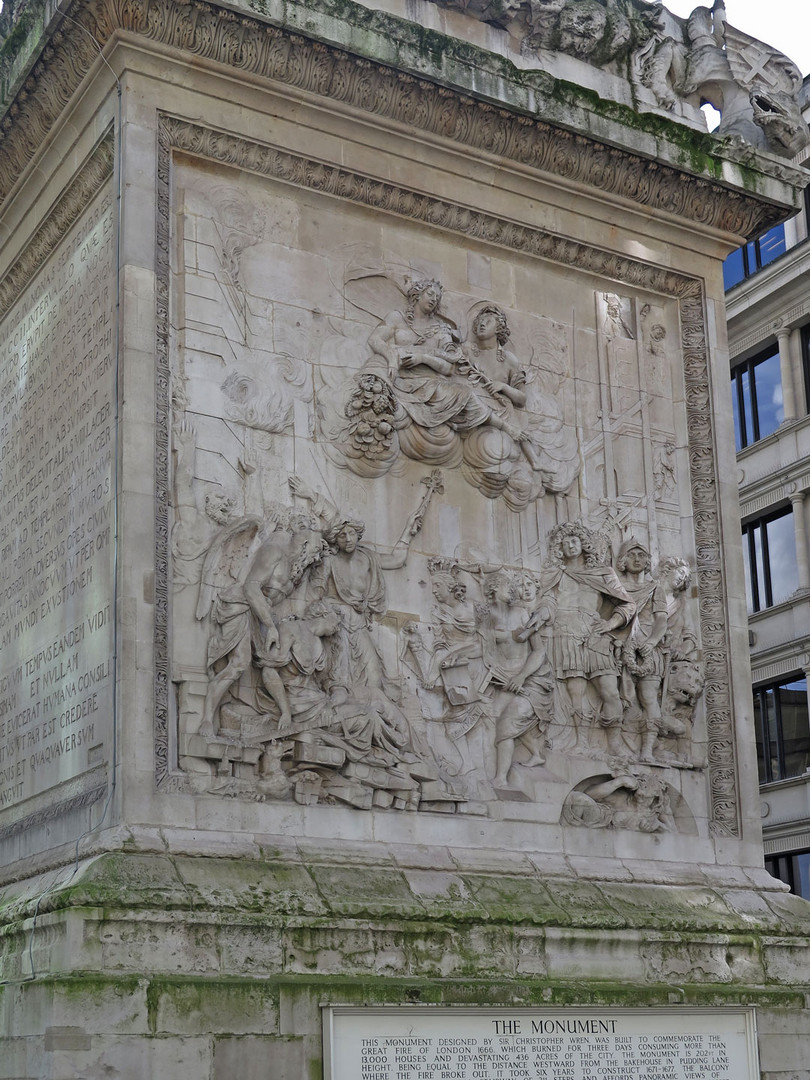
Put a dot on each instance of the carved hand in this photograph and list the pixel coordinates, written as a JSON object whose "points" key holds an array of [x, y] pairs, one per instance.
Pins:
{"points": [[301, 488], [247, 465], [185, 438], [413, 524]]}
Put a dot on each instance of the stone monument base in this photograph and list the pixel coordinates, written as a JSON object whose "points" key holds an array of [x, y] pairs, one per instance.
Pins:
{"points": [[372, 619], [154, 961]]}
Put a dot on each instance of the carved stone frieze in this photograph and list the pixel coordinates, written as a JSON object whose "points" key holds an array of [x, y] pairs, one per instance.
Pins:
{"points": [[582, 656], [221, 35], [443, 399], [55, 809], [672, 63], [473, 709], [87, 181], [636, 800], [380, 195], [531, 649]]}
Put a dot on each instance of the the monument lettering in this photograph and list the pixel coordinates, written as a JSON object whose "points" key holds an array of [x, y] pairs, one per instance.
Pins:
{"points": [[454, 1045], [692, 1057]]}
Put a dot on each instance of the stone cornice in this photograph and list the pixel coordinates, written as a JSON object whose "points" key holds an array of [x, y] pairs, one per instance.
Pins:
{"points": [[73, 201], [252, 45], [784, 658], [769, 300], [774, 487], [792, 835]]}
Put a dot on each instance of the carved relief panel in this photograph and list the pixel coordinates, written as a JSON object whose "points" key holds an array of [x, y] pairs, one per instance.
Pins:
{"points": [[426, 507]]}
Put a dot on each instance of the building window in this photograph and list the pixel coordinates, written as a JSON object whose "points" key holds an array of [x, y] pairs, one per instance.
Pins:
{"points": [[769, 556], [756, 397], [754, 255], [806, 365], [782, 729], [793, 869]]}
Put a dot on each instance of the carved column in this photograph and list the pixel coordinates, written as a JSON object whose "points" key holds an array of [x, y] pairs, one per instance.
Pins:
{"points": [[797, 500], [805, 666], [786, 370], [797, 380], [795, 231]]}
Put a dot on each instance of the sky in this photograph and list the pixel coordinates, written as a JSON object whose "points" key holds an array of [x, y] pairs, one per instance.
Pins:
{"points": [[784, 24]]}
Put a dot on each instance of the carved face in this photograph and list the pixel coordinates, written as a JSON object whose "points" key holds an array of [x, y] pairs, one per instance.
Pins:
{"points": [[582, 27], [500, 588], [505, 590], [648, 791], [528, 589], [637, 560], [486, 325], [780, 119], [459, 591], [678, 578], [300, 523], [685, 683], [571, 546], [428, 300], [347, 539], [218, 508], [441, 590], [613, 305]]}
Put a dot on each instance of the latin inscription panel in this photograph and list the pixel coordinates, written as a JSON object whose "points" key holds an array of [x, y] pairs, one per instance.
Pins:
{"points": [[571, 1044], [56, 514]]}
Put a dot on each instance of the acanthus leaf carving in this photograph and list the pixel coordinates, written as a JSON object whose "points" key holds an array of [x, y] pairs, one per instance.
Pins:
{"points": [[290, 58]]}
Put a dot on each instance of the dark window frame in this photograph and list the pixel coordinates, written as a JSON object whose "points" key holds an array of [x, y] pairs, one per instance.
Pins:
{"points": [[749, 530], [805, 340], [752, 260], [784, 867], [781, 867], [748, 367], [760, 694]]}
